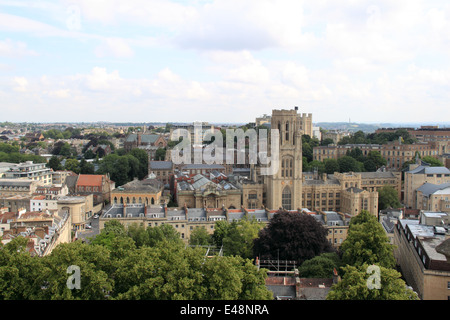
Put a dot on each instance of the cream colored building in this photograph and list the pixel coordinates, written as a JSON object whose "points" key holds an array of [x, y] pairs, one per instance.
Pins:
{"points": [[432, 197], [340, 192], [79, 209], [284, 188], [32, 171], [185, 220], [419, 175], [418, 252]]}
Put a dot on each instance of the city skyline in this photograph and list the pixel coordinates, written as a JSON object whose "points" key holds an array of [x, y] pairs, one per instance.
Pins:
{"points": [[224, 61]]}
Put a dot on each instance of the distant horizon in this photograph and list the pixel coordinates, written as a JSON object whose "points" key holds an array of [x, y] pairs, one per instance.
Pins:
{"points": [[388, 124]]}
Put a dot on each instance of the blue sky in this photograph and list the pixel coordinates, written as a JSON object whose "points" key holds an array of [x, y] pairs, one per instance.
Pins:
{"points": [[224, 60]]}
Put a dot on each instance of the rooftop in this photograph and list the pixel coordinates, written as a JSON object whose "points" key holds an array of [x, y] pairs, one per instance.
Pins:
{"points": [[89, 180], [429, 170], [430, 188]]}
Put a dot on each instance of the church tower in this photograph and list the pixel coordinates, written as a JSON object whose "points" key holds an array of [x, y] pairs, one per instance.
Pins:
{"points": [[284, 189]]}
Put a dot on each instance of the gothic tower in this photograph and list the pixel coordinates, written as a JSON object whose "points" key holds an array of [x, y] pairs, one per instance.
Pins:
{"points": [[284, 189]]}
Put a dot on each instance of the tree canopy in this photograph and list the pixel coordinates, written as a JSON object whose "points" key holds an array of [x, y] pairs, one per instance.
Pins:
{"points": [[367, 242], [291, 236], [112, 266], [357, 284]]}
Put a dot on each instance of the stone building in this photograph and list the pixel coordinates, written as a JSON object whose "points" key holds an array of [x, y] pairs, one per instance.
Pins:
{"points": [[395, 153], [146, 192], [212, 191], [434, 197], [419, 251], [284, 188], [417, 175], [152, 142]]}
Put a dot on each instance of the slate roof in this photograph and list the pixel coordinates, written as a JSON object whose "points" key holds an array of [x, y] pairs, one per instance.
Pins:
{"points": [[161, 165], [430, 188], [429, 170], [145, 138], [146, 185]]}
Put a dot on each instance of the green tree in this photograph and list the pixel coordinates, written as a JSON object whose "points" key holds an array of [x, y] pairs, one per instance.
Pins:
{"points": [[388, 198], [331, 166], [367, 243], [357, 284], [160, 154], [221, 229], [240, 237], [320, 266], [433, 162], [54, 164], [112, 230], [142, 157], [94, 265], [86, 167], [165, 232], [316, 165], [20, 276], [326, 142], [200, 237], [72, 165], [377, 158], [349, 164]]}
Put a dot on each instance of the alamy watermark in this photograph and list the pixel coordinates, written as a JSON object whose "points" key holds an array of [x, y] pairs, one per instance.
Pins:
{"points": [[374, 280], [239, 146], [74, 280]]}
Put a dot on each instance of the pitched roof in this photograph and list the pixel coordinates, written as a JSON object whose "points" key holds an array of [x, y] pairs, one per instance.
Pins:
{"points": [[430, 188], [89, 180], [430, 170], [146, 138], [161, 165]]}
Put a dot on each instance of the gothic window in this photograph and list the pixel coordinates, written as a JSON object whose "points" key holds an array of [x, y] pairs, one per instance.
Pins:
{"points": [[286, 198], [287, 131]]}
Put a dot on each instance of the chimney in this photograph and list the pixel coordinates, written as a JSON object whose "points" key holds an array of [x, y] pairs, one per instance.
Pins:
{"points": [[324, 177], [165, 210]]}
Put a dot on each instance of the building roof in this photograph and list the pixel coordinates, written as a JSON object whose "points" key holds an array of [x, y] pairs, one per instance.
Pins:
{"points": [[161, 165], [146, 185], [444, 248], [89, 180], [355, 190], [16, 182], [145, 138], [377, 175], [430, 188], [202, 166], [429, 170]]}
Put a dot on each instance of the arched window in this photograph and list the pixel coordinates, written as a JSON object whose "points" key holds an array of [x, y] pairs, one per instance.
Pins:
{"points": [[153, 201], [286, 201]]}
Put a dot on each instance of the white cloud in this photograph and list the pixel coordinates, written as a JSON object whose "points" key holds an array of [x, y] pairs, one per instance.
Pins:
{"points": [[21, 84], [10, 48], [114, 47]]}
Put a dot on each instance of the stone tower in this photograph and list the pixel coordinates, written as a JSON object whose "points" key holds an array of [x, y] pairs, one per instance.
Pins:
{"points": [[284, 189]]}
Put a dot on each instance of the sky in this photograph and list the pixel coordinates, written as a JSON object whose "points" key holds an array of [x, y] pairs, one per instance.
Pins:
{"points": [[224, 60]]}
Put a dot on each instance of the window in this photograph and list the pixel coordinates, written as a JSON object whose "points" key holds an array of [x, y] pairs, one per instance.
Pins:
{"points": [[286, 198]]}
